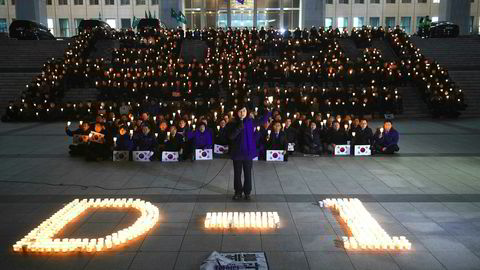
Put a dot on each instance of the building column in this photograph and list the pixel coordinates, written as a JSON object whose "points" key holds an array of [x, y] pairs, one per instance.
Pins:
{"points": [[457, 12], [229, 14], [255, 7], [164, 12], [32, 10], [313, 13]]}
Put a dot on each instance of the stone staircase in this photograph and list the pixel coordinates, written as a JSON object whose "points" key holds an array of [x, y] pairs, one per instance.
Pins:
{"points": [[461, 56], [103, 49], [349, 48], [413, 105], [11, 87], [80, 94], [469, 82], [462, 53], [193, 49], [28, 55], [387, 52]]}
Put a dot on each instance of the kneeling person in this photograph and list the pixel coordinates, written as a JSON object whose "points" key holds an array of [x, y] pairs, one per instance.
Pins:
{"points": [[145, 141], [386, 142], [278, 140], [202, 138]]}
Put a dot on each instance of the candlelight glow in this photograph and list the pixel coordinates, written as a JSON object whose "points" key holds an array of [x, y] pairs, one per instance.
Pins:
{"points": [[261, 220], [41, 238], [367, 234]]}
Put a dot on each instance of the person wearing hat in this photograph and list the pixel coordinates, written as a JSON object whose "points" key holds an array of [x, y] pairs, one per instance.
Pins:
{"points": [[243, 150]]}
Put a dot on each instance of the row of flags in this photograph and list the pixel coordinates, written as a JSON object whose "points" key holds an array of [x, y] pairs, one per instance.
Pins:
{"points": [[147, 16], [136, 20]]}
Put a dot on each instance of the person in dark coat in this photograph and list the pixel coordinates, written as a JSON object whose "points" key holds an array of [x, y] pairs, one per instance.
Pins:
{"points": [[243, 151], [336, 136], [277, 140], [174, 141], [145, 141], [386, 140], [362, 135], [98, 150], [221, 137], [291, 134], [81, 148], [123, 140], [312, 143]]}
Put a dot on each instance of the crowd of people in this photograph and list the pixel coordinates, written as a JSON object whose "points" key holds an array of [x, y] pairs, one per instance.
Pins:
{"points": [[299, 71], [184, 132], [438, 90]]}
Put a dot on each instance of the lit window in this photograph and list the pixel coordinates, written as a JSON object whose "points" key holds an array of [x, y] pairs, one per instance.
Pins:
{"points": [[112, 23]]}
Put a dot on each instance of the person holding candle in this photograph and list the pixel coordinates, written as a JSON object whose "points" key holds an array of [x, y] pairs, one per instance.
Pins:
{"points": [[99, 150], [336, 136], [221, 136], [277, 140], [145, 141], [123, 140], [243, 150], [174, 141], [312, 143], [201, 138], [291, 134], [81, 148], [363, 134], [386, 139]]}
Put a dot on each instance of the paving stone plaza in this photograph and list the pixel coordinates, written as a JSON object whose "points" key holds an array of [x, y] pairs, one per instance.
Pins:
{"points": [[428, 192]]}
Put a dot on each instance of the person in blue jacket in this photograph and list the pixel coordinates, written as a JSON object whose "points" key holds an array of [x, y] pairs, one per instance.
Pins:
{"points": [[386, 142], [145, 141], [202, 138], [80, 149], [243, 150], [124, 141]]}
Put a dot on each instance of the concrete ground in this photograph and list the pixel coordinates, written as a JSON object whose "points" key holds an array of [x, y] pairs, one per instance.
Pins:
{"points": [[429, 192]]}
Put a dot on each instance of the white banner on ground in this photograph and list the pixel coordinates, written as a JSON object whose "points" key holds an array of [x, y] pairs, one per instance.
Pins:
{"points": [[342, 150], [220, 149], [203, 154], [169, 156], [142, 156], [120, 155], [275, 155], [362, 150]]}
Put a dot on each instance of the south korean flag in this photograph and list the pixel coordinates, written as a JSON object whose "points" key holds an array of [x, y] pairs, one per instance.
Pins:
{"points": [[201, 154], [97, 137], [120, 155], [342, 150], [169, 156], [363, 150], [274, 155], [79, 139], [220, 149], [142, 156]]}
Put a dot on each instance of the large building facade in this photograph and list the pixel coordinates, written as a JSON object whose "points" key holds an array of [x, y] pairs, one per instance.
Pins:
{"points": [[63, 16]]}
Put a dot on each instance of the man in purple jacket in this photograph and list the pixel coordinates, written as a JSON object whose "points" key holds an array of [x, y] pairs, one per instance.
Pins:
{"points": [[386, 140], [243, 150]]}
